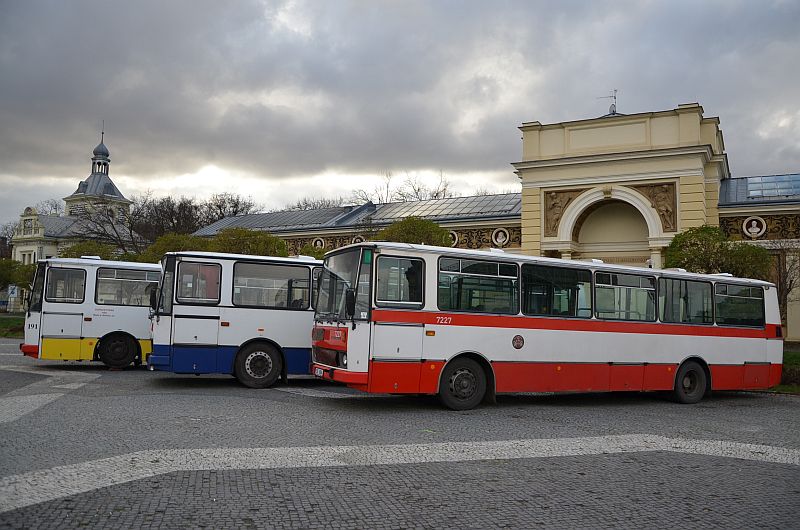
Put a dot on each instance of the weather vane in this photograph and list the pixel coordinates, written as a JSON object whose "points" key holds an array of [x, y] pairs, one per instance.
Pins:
{"points": [[613, 97]]}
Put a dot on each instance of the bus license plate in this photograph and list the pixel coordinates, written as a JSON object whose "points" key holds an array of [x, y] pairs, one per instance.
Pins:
{"points": [[318, 372]]}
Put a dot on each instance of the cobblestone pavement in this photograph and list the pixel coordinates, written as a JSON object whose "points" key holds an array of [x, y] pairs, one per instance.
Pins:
{"points": [[85, 446]]}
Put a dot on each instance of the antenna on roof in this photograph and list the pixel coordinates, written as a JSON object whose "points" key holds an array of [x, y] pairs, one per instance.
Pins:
{"points": [[613, 97]]}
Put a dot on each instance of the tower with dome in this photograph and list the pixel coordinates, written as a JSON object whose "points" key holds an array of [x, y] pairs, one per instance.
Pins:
{"points": [[40, 235]]}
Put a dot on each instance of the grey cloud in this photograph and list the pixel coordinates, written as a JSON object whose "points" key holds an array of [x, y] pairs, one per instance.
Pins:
{"points": [[394, 79]]}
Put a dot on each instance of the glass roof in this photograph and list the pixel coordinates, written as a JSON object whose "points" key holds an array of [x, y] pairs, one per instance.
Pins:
{"points": [[760, 189]]}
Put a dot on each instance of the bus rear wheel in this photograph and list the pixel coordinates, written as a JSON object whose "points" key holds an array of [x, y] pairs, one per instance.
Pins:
{"points": [[117, 351], [690, 383], [258, 365], [463, 384]]}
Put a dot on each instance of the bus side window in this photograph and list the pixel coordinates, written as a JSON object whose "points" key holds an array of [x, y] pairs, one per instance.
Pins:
{"points": [[125, 287], [625, 296], [399, 282], [198, 283], [66, 286], [271, 285], [684, 301], [556, 291], [478, 286], [739, 305]]}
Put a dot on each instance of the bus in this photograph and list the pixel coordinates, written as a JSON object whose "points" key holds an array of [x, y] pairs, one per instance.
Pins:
{"points": [[86, 309], [468, 324], [249, 316]]}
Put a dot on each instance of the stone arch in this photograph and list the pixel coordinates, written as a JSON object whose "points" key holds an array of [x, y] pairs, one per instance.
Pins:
{"points": [[572, 213]]}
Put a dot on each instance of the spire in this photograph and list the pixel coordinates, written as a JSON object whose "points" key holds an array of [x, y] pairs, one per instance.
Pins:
{"points": [[100, 155]]}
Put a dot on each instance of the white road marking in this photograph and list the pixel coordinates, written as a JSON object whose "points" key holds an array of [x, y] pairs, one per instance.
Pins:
{"points": [[29, 398], [13, 408], [70, 386], [26, 489]]}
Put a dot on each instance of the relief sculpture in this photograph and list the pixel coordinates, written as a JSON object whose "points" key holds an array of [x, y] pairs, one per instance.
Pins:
{"points": [[555, 204], [779, 226], [662, 198]]}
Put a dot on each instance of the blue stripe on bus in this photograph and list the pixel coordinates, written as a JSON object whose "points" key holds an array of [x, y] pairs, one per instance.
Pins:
{"points": [[216, 359]]}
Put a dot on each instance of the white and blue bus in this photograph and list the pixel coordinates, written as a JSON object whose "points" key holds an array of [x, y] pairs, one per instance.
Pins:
{"points": [[249, 316]]}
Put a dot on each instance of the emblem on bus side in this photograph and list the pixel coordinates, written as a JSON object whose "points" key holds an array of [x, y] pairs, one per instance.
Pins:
{"points": [[518, 342]]}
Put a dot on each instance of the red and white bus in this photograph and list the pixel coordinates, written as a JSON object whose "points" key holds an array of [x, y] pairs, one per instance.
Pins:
{"points": [[467, 325]]}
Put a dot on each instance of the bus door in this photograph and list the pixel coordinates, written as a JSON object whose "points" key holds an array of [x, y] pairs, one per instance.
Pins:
{"points": [[62, 315], [33, 319], [196, 317], [397, 338]]}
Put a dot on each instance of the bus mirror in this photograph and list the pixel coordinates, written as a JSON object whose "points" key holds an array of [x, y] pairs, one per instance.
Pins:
{"points": [[153, 299], [350, 303]]}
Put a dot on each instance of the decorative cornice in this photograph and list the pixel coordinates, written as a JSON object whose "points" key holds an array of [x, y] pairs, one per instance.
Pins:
{"points": [[703, 150], [611, 179]]}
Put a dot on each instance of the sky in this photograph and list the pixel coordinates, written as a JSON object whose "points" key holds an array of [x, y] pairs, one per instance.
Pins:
{"points": [[289, 99]]}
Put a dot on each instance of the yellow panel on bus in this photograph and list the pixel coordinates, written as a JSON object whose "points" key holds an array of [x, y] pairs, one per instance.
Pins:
{"points": [[81, 349], [66, 349]]}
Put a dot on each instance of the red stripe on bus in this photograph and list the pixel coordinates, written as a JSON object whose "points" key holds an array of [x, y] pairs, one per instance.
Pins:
{"points": [[562, 324], [423, 377]]}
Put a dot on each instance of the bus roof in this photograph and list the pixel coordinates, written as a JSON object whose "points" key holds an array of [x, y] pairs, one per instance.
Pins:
{"points": [[93, 262], [594, 265], [221, 255]]}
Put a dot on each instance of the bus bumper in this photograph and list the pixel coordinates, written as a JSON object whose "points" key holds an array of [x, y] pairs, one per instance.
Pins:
{"points": [[352, 379], [30, 350], [160, 358]]}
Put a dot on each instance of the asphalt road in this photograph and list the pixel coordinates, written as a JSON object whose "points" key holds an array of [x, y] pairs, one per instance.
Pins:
{"points": [[85, 446]]}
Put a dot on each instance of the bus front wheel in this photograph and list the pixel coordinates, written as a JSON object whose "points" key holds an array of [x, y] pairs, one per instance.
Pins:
{"points": [[258, 365], [690, 383], [463, 384], [117, 351]]}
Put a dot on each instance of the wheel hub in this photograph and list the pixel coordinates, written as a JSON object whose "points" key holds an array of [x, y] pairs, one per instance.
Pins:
{"points": [[463, 383], [258, 364], [690, 382]]}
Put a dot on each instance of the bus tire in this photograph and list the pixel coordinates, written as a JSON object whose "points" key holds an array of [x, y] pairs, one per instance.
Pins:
{"points": [[117, 350], [258, 365], [690, 383], [463, 384]]}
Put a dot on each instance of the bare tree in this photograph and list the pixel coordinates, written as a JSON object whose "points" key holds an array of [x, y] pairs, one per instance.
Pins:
{"points": [[103, 222], [381, 193], [7, 229], [315, 203], [50, 207], [413, 189], [224, 205]]}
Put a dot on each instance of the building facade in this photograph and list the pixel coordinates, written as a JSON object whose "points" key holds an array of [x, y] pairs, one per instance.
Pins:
{"points": [[473, 222]]}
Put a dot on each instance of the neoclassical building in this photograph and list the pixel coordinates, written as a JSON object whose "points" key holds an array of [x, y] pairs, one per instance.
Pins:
{"points": [[619, 187]]}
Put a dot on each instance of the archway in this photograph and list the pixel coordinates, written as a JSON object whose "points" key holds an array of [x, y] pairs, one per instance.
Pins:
{"points": [[613, 231]]}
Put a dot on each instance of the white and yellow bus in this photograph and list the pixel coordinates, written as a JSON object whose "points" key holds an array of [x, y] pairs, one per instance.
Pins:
{"points": [[88, 309]]}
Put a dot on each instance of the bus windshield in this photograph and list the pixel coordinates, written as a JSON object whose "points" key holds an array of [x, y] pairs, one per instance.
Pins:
{"points": [[341, 272], [35, 302]]}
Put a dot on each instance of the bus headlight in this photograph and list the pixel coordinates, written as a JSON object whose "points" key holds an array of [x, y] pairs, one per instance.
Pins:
{"points": [[344, 359]]}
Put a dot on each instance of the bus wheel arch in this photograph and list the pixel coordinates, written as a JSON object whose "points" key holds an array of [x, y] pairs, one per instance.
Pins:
{"points": [[117, 349], [258, 356], [692, 380], [467, 363]]}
